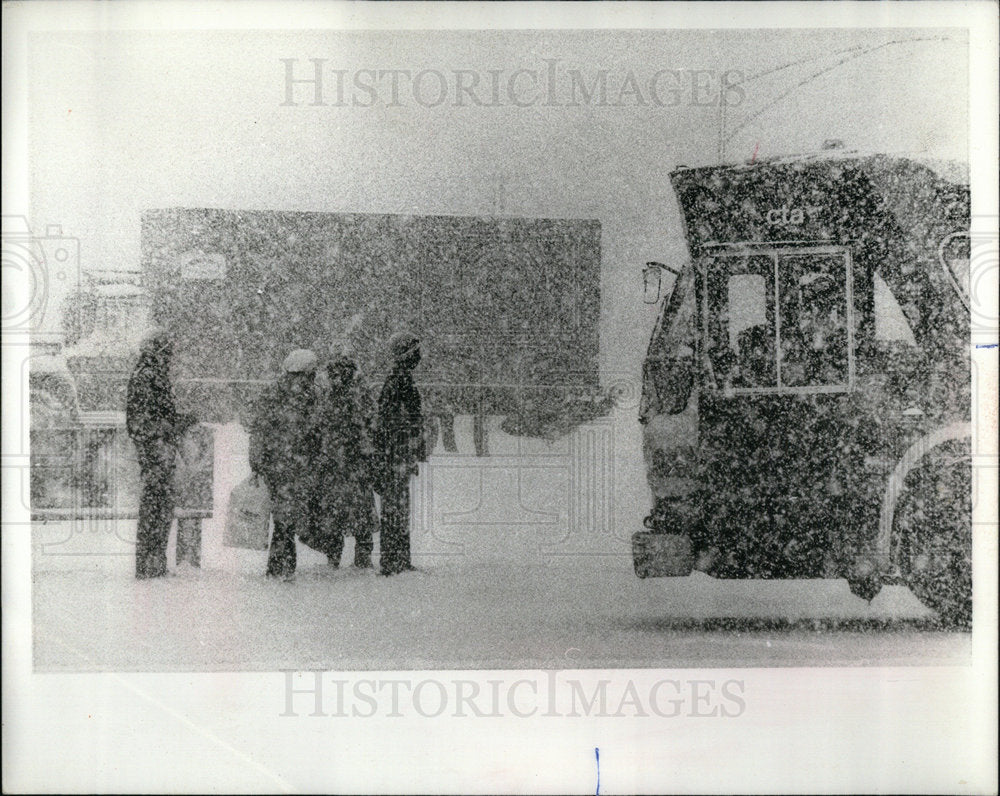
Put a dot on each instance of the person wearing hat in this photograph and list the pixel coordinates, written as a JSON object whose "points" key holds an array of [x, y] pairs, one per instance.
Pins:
{"points": [[155, 427], [283, 447], [343, 501], [400, 446]]}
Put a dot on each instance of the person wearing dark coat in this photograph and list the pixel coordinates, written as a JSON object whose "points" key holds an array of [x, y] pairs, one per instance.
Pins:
{"points": [[283, 448], [155, 427], [344, 499], [400, 448]]}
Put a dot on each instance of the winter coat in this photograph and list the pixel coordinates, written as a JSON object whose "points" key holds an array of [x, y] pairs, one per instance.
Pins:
{"points": [[283, 446], [343, 471], [151, 417], [400, 442]]}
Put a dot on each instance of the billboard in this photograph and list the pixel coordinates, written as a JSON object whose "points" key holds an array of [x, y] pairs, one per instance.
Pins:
{"points": [[507, 308]]}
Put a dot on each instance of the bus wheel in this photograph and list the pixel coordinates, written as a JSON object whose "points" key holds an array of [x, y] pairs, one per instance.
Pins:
{"points": [[935, 532], [940, 575]]}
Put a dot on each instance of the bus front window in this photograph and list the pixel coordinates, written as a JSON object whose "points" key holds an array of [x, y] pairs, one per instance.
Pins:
{"points": [[741, 321], [779, 320], [814, 317]]}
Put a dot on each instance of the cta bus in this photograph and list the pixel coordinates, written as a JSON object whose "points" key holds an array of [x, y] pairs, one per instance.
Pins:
{"points": [[806, 393]]}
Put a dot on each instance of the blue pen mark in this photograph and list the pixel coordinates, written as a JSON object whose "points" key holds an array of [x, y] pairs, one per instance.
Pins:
{"points": [[986, 345], [597, 754]]}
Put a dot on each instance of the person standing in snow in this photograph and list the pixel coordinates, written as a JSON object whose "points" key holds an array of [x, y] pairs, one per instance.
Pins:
{"points": [[155, 427], [283, 448], [193, 488], [344, 500], [400, 447]]}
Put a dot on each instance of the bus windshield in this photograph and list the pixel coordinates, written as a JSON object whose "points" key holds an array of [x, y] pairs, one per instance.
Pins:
{"points": [[780, 320]]}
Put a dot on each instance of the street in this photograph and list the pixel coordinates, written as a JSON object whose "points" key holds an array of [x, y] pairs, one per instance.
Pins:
{"points": [[591, 613]]}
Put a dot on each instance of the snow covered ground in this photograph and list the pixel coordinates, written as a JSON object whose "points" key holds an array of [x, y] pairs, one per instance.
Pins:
{"points": [[477, 613], [483, 615], [523, 562]]}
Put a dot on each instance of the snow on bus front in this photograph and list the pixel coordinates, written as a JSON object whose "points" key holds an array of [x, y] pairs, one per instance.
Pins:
{"points": [[803, 397]]}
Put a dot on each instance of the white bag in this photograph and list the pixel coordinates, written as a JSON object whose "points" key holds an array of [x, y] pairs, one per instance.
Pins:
{"points": [[249, 515]]}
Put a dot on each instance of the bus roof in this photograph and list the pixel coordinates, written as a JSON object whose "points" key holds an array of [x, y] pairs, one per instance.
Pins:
{"points": [[953, 171]]}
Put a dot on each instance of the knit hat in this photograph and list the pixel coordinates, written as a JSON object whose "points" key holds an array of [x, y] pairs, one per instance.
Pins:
{"points": [[301, 360], [401, 344]]}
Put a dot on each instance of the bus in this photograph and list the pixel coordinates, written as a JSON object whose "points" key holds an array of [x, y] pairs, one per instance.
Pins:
{"points": [[806, 405]]}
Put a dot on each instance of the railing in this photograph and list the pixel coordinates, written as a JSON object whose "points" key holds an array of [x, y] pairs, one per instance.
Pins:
{"points": [[90, 472]]}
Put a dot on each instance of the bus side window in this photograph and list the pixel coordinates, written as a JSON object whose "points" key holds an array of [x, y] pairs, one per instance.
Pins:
{"points": [[890, 322], [669, 368]]}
